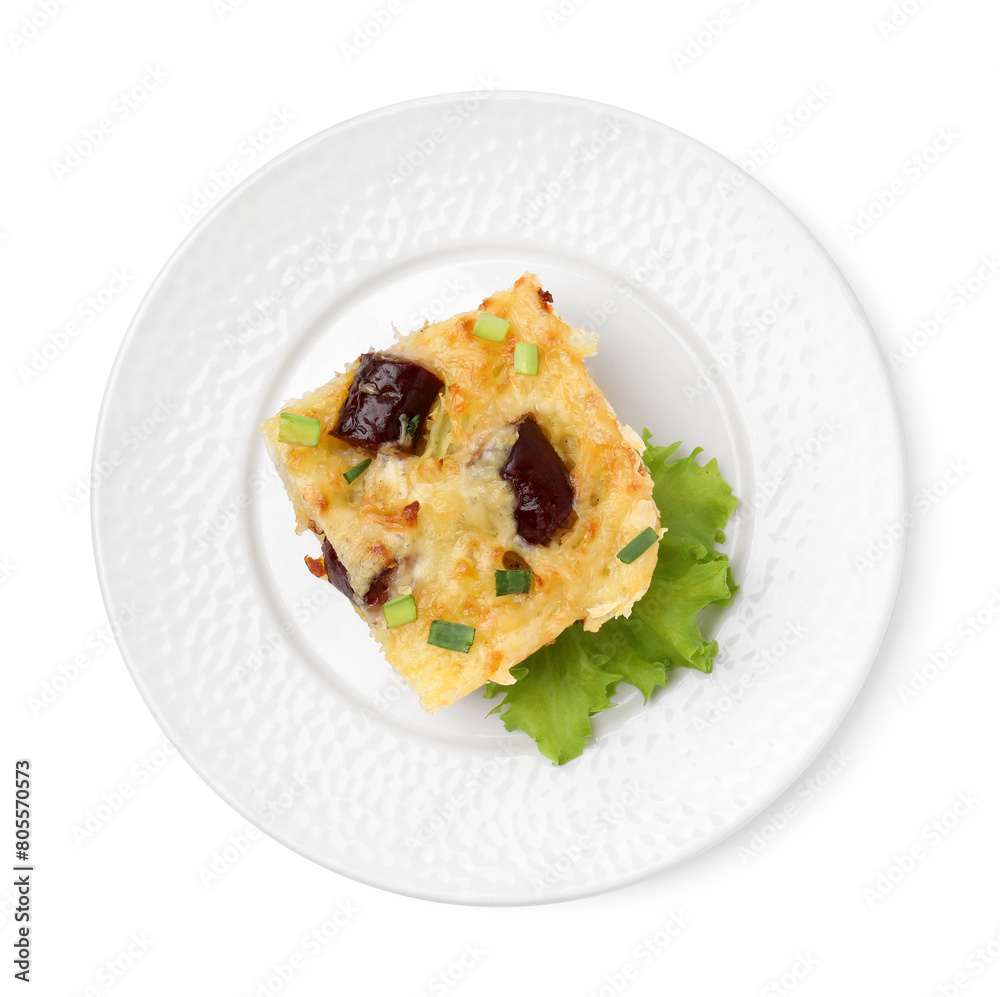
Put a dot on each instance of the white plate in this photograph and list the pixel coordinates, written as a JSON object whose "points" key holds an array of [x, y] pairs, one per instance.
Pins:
{"points": [[734, 332]]}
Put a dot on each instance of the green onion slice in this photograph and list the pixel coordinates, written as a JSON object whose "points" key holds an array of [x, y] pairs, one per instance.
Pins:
{"points": [[513, 582], [638, 546], [400, 611], [525, 358], [412, 425], [358, 469], [490, 327], [451, 636], [299, 430]]}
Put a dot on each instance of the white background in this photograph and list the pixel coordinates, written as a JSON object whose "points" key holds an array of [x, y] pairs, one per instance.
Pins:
{"points": [[816, 901]]}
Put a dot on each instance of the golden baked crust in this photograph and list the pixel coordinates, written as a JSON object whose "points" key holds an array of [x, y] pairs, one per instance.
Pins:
{"points": [[446, 551]]}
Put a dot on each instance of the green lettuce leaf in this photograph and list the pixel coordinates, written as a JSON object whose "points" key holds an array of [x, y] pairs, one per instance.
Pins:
{"points": [[561, 686], [558, 689]]}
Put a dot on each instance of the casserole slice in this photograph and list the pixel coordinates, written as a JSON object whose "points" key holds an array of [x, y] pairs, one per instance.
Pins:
{"points": [[472, 492]]}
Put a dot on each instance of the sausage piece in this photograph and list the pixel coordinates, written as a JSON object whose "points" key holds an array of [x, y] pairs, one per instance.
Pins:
{"points": [[336, 575], [543, 492], [378, 591], [387, 404]]}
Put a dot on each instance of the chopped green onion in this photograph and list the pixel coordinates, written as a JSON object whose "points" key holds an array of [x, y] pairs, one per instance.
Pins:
{"points": [[490, 327], [411, 426], [298, 429], [451, 636], [357, 470], [400, 611], [525, 358], [642, 543], [513, 582]]}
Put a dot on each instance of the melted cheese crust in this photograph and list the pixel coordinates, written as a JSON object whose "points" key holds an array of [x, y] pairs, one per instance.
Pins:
{"points": [[447, 557]]}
